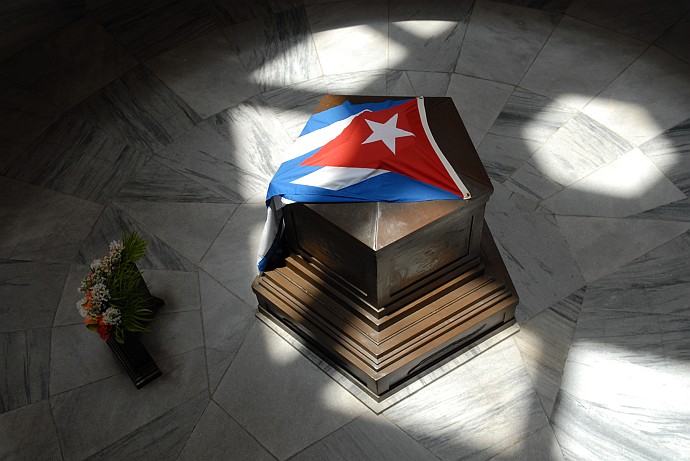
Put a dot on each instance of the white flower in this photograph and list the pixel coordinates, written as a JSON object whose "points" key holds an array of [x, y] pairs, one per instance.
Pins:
{"points": [[111, 316], [80, 305]]}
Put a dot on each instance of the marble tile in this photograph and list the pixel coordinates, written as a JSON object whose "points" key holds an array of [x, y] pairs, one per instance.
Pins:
{"points": [[649, 97], [216, 435], [635, 18], [504, 200], [656, 282], [141, 110], [602, 245], [78, 357], [155, 182], [629, 185], [675, 40], [426, 36], [234, 153], [624, 391], [578, 61], [206, 73], [163, 438], [76, 157], [31, 20], [85, 428], [24, 368], [277, 50], [280, 397], [237, 11], [577, 149], [226, 321], [538, 259], [670, 151], [232, 258], [502, 156], [294, 104], [179, 289], [367, 437], [542, 445], [63, 71], [479, 103], [554, 6], [531, 116], [365, 83], [398, 83], [173, 334], [544, 342], [677, 211], [147, 29], [39, 224], [502, 41], [25, 115], [110, 226], [67, 313], [429, 83], [350, 36], [532, 184], [190, 228], [29, 434], [477, 411], [30, 292]]}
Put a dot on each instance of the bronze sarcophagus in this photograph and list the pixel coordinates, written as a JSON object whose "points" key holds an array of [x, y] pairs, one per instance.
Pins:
{"points": [[388, 291]]}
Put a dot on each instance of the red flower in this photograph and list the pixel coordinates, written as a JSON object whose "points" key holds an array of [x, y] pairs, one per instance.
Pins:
{"points": [[104, 330]]}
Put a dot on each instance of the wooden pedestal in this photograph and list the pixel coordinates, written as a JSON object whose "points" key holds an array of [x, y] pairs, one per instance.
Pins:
{"points": [[388, 291]]}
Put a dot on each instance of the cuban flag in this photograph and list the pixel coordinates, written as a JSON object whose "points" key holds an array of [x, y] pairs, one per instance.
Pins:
{"points": [[374, 152]]}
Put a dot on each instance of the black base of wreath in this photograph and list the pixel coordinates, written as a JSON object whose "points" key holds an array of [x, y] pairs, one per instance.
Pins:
{"points": [[134, 357]]}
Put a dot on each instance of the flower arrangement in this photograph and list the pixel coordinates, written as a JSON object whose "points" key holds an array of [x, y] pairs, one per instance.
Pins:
{"points": [[116, 299]]}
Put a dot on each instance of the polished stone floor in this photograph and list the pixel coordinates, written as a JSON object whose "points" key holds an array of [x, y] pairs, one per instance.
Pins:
{"points": [[170, 117]]}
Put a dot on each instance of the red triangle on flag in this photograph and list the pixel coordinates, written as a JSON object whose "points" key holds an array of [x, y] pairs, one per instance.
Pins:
{"points": [[394, 140]]}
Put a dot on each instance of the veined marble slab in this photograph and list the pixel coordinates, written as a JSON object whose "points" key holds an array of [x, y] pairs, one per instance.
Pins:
{"points": [[294, 104], [602, 245], [426, 36], [544, 342], [624, 391], [477, 411], [540, 445], [675, 40], [350, 36], [25, 115], [206, 73], [538, 259], [64, 71], [531, 116], [147, 29], [29, 433], [226, 319], [504, 200], [363, 83], [162, 438], [502, 155], [656, 282], [554, 6], [577, 149], [532, 184], [234, 153], [649, 97], [398, 83], [238, 11], [638, 18], [479, 102], [670, 151], [25, 371], [629, 185], [276, 50], [677, 211], [184, 377], [216, 435], [578, 61], [502, 41], [281, 398], [429, 83]]}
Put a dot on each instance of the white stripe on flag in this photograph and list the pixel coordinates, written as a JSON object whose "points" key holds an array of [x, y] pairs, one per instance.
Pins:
{"points": [[336, 177], [317, 138]]}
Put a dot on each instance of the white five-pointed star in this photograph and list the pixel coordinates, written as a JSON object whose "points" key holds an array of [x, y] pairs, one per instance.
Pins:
{"points": [[387, 132]]}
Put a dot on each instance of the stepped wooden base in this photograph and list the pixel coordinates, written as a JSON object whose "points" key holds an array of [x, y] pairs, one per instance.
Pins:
{"points": [[383, 353]]}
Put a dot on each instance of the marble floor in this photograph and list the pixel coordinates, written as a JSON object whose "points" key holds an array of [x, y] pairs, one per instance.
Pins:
{"points": [[170, 117]]}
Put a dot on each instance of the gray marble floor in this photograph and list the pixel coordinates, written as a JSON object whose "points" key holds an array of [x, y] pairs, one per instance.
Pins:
{"points": [[173, 119]]}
